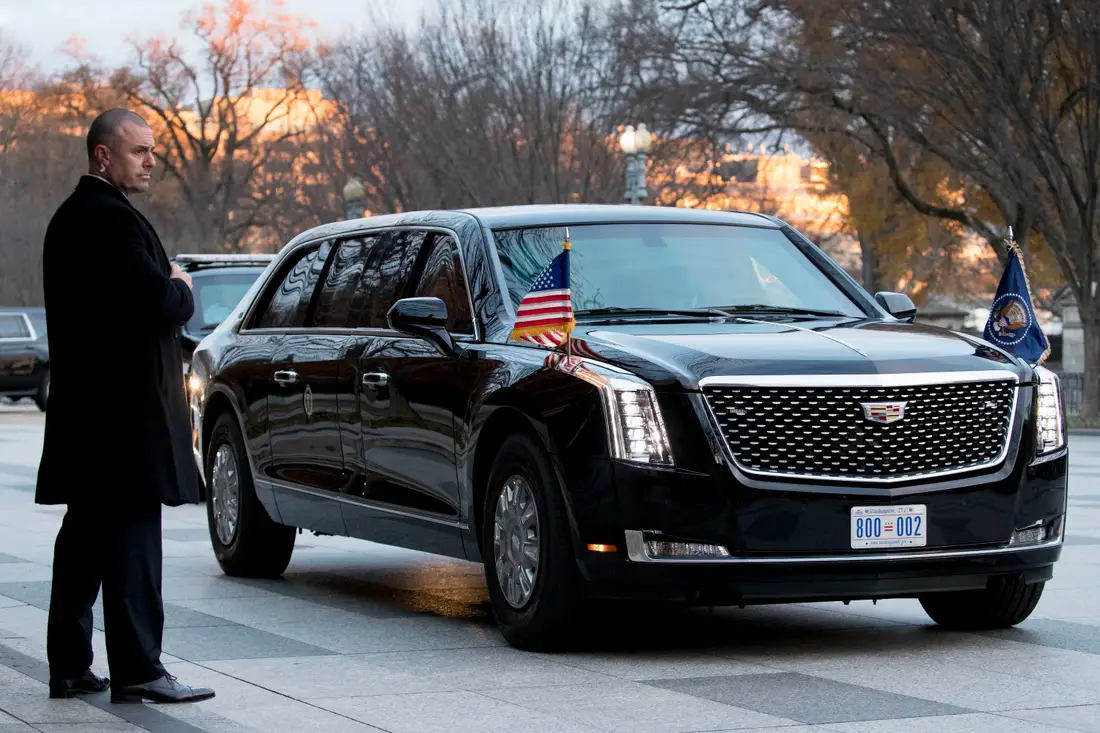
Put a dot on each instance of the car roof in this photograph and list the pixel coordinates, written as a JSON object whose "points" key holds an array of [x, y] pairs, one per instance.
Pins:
{"points": [[534, 215], [505, 217]]}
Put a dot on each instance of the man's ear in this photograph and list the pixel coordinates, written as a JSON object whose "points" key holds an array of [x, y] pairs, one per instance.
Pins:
{"points": [[102, 155]]}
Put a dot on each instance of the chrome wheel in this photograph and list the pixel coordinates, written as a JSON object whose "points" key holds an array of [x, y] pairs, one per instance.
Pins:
{"points": [[225, 494], [516, 541]]}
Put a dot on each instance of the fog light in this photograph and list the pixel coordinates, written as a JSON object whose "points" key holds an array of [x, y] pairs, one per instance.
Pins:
{"points": [[661, 548], [1036, 533]]}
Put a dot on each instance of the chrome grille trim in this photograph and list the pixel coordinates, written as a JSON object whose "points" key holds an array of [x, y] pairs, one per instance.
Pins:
{"points": [[874, 382]]}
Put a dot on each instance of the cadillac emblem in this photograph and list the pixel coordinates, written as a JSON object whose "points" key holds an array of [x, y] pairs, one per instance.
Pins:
{"points": [[884, 413], [307, 401]]}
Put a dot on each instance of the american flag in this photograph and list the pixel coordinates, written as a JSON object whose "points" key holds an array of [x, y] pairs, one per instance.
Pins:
{"points": [[545, 315]]}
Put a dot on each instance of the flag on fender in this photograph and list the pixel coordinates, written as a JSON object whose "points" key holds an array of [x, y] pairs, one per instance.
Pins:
{"points": [[545, 315], [1012, 324]]}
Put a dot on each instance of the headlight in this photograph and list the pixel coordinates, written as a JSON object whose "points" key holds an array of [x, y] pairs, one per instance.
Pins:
{"points": [[1050, 432], [636, 430]]}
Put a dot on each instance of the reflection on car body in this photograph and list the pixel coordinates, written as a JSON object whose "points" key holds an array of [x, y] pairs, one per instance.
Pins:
{"points": [[708, 443]]}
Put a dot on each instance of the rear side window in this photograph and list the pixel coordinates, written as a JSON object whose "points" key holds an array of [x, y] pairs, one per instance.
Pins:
{"points": [[12, 326], [289, 302], [342, 299], [442, 277], [387, 274]]}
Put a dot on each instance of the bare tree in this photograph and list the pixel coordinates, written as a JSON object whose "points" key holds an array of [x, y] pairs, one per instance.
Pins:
{"points": [[227, 121], [488, 102]]}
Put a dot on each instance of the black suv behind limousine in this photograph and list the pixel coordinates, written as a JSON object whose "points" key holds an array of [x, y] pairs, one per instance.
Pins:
{"points": [[24, 355], [740, 422]]}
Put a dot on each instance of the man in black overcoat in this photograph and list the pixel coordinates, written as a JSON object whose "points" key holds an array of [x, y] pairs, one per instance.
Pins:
{"points": [[118, 438]]}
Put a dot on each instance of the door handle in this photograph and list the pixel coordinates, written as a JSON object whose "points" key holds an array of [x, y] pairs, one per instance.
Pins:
{"points": [[376, 379], [286, 376]]}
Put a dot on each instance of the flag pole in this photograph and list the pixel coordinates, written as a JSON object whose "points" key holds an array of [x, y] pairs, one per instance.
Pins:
{"points": [[568, 331]]}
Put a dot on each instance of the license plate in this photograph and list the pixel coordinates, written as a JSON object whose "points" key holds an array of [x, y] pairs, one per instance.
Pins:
{"points": [[889, 526]]}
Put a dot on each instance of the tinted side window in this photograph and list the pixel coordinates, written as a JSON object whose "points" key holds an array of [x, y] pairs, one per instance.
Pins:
{"points": [[289, 302], [13, 327], [341, 299], [442, 277], [387, 275]]}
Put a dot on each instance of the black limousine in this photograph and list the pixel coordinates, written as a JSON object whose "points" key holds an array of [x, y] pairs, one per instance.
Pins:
{"points": [[739, 422]]}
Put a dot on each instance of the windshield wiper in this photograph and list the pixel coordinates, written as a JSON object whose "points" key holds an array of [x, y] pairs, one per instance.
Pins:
{"points": [[785, 310], [614, 310]]}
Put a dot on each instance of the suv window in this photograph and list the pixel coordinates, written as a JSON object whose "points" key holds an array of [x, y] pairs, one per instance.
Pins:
{"points": [[342, 298], [387, 275], [442, 277], [289, 302], [12, 326]]}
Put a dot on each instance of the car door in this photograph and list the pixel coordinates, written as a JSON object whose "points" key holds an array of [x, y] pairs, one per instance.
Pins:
{"points": [[17, 354], [409, 394], [306, 461]]}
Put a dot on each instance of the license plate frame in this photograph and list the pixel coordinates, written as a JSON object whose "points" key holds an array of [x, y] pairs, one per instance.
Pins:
{"points": [[887, 527]]}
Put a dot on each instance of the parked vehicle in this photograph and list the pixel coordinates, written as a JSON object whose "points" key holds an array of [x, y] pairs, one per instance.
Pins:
{"points": [[218, 281], [741, 423], [24, 355]]}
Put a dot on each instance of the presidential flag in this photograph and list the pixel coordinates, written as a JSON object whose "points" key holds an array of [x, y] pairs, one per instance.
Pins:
{"points": [[1012, 324], [545, 315]]}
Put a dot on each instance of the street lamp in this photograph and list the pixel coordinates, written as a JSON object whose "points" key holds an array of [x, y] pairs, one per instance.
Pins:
{"points": [[635, 144], [353, 199]]}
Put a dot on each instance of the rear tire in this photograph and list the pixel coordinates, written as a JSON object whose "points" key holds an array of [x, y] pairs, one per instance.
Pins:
{"points": [[256, 546], [42, 396], [1006, 602], [545, 620]]}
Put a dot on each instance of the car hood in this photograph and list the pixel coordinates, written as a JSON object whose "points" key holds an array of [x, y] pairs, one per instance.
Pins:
{"points": [[679, 355]]}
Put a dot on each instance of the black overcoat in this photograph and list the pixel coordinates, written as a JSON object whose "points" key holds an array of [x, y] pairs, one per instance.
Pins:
{"points": [[117, 419]]}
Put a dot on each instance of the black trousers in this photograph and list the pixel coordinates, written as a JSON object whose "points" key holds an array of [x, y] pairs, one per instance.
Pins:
{"points": [[118, 547]]}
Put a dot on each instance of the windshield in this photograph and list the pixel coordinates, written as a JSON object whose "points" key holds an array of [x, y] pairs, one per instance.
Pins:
{"points": [[672, 267], [217, 294]]}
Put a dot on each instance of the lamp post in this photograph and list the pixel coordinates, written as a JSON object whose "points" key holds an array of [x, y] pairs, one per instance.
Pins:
{"points": [[635, 144], [353, 199]]}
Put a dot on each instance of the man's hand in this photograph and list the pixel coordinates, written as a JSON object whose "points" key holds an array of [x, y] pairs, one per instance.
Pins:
{"points": [[179, 274]]}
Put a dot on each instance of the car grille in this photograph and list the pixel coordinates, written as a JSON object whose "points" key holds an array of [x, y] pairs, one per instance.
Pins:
{"points": [[823, 432]]}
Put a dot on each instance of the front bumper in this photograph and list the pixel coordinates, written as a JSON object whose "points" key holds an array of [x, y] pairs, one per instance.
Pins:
{"points": [[745, 581]]}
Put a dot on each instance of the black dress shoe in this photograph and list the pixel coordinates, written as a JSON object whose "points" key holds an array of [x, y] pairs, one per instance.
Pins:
{"points": [[165, 689], [85, 684]]}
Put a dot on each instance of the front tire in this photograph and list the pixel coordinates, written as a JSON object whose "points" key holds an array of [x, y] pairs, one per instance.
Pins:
{"points": [[530, 568], [246, 542], [43, 394], [1005, 603]]}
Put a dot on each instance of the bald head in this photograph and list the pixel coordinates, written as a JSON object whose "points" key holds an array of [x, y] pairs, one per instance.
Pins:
{"points": [[120, 149], [106, 127]]}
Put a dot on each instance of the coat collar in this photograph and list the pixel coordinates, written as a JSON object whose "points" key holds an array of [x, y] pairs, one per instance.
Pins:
{"points": [[93, 182]]}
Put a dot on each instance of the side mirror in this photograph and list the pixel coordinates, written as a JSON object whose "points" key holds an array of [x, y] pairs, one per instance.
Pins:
{"points": [[897, 304], [424, 318]]}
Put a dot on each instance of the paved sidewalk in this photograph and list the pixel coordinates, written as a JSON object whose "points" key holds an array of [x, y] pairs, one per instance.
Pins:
{"points": [[360, 637]]}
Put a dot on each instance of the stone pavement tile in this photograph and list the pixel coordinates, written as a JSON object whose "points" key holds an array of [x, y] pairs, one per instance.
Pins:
{"points": [[631, 707], [929, 678], [1053, 633], [294, 716], [406, 672], [36, 707], [805, 698], [1065, 604], [89, 728], [37, 594], [366, 636], [272, 609], [203, 587], [4, 559], [449, 712], [232, 642], [967, 723], [16, 727], [658, 664], [1085, 718], [20, 572]]}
